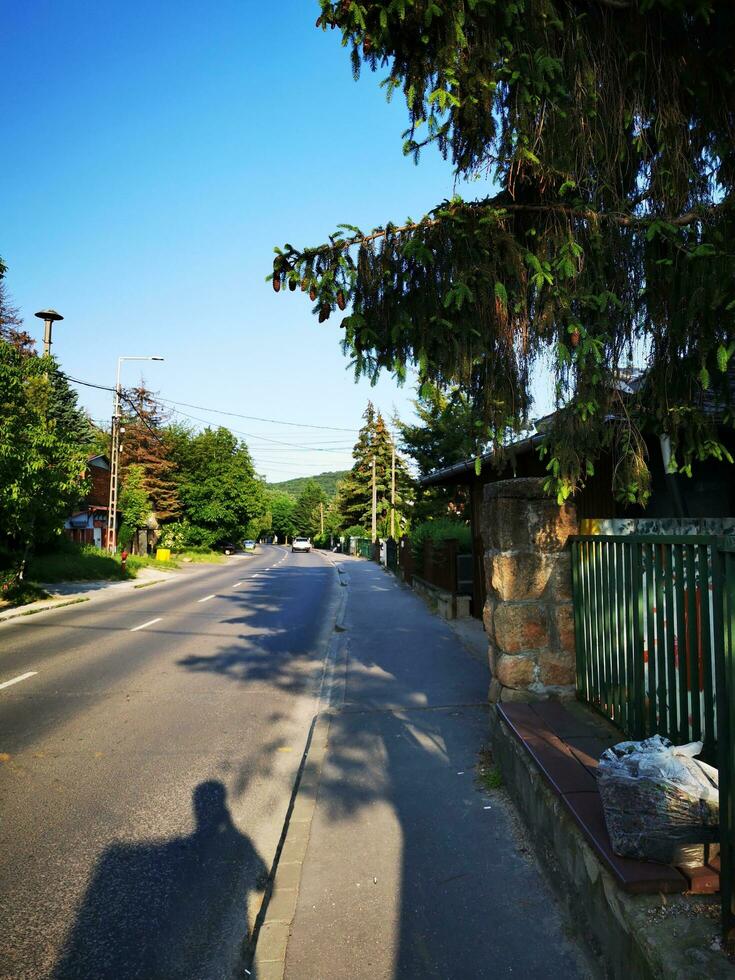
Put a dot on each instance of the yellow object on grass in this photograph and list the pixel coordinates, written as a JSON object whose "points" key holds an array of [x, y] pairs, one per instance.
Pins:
{"points": [[163, 554]]}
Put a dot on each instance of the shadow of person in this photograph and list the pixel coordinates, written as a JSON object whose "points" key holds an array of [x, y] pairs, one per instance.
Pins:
{"points": [[168, 909]]}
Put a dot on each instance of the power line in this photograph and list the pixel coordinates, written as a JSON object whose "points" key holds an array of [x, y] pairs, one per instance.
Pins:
{"points": [[217, 411], [250, 435], [258, 418]]}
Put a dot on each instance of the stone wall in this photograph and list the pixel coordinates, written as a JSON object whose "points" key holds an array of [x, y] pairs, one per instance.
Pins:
{"points": [[528, 613]]}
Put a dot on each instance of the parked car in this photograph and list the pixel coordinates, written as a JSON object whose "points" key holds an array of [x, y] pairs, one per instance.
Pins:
{"points": [[229, 548], [249, 545], [301, 544]]}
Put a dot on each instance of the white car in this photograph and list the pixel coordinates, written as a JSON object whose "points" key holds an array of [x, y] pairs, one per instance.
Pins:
{"points": [[301, 544]]}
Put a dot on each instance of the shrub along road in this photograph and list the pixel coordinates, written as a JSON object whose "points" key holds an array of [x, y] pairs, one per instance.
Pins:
{"points": [[148, 749]]}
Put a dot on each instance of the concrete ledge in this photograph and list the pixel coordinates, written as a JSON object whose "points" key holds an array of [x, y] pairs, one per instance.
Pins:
{"points": [[642, 936], [448, 606]]}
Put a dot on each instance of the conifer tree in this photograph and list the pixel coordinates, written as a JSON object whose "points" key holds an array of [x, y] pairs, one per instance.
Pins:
{"points": [[607, 128], [356, 490], [445, 434], [145, 444]]}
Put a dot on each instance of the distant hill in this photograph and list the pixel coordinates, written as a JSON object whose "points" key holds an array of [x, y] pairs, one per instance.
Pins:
{"points": [[327, 481]]}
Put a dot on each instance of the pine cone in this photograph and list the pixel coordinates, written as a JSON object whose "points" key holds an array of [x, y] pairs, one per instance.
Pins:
{"points": [[292, 284], [276, 284], [341, 300], [324, 314], [312, 293]]}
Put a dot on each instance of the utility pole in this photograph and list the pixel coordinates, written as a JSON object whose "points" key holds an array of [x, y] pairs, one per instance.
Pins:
{"points": [[114, 470], [375, 505], [115, 456], [49, 317], [321, 515], [393, 493]]}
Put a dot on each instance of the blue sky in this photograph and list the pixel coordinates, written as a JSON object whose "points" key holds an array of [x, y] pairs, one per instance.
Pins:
{"points": [[154, 154]]}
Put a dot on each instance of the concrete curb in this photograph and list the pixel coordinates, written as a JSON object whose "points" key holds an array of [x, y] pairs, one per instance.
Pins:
{"points": [[269, 942], [31, 610]]}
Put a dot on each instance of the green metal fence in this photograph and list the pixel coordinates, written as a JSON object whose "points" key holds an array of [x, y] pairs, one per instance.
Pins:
{"points": [[726, 760], [654, 620], [365, 547], [644, 621]]}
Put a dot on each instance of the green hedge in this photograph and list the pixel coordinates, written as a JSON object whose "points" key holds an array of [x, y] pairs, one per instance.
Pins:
{"points": [[439, 530]]}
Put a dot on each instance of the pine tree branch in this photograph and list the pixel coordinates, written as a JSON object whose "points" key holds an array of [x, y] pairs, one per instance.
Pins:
{"points": [[583, 214]]}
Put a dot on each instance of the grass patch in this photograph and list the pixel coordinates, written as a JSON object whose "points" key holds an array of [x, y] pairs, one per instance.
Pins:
{"points": [[207, 557], [21, 595], [489, 775], [70, 562], [77, 563]]}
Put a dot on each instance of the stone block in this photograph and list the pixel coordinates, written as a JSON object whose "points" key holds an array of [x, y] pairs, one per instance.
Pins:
{"points": [[556, 669], [488, 618], [563, 616], [549, 526], [463, 606], [495, 691], [521, 627], [559, 586], [514, 575], [492, 657], [520, 488], [513, 671], [505, 525]]}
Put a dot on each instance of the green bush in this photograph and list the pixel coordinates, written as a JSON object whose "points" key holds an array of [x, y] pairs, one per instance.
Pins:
{"points": [[356, 532], [439, 530]]}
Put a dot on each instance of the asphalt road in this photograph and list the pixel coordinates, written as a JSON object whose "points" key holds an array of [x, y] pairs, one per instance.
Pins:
{"points": [[146, 764]]}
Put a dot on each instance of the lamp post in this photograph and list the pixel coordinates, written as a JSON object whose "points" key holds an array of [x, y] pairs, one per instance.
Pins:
{"points": [[49, 317], [115, 456]]}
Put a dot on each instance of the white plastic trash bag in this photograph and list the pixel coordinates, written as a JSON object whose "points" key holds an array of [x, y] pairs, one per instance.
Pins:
{"points": [[656, 797]]}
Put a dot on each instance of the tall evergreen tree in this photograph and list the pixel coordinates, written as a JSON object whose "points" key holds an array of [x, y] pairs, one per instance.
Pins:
{"points": [[607, 127], [445, 434], [11, 321], [145, 444], [356, 490]]}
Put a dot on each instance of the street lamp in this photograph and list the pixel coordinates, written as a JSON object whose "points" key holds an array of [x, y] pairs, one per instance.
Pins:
{"points": [[49, 317], [115, 456]]}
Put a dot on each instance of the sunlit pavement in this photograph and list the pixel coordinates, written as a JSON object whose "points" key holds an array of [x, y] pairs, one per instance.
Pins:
{"points": [[413, 869]]}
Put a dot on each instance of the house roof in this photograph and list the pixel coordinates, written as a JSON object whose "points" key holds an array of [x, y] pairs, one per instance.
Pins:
{"points": [[629, 382], [458, 471]]}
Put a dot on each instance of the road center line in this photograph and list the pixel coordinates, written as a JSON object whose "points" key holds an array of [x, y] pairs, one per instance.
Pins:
{"points": [[236, 585], [206, 597], [18, 679], [143, 625]]}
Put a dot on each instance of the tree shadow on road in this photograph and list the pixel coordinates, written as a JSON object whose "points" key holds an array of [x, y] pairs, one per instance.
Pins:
{"points": [[168, 909]]}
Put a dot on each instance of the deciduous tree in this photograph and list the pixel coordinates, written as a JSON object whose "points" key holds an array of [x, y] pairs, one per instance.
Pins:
{"points": [[306, 515], [42, 467]]}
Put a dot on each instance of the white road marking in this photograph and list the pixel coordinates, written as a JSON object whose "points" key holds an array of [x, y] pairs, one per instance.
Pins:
{"points": [[18, 679], [207, 597], [236, 585], [143, 625]]}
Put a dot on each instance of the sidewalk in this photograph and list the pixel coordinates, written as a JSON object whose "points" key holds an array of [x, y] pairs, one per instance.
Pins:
{"points": [[413, 868]]}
